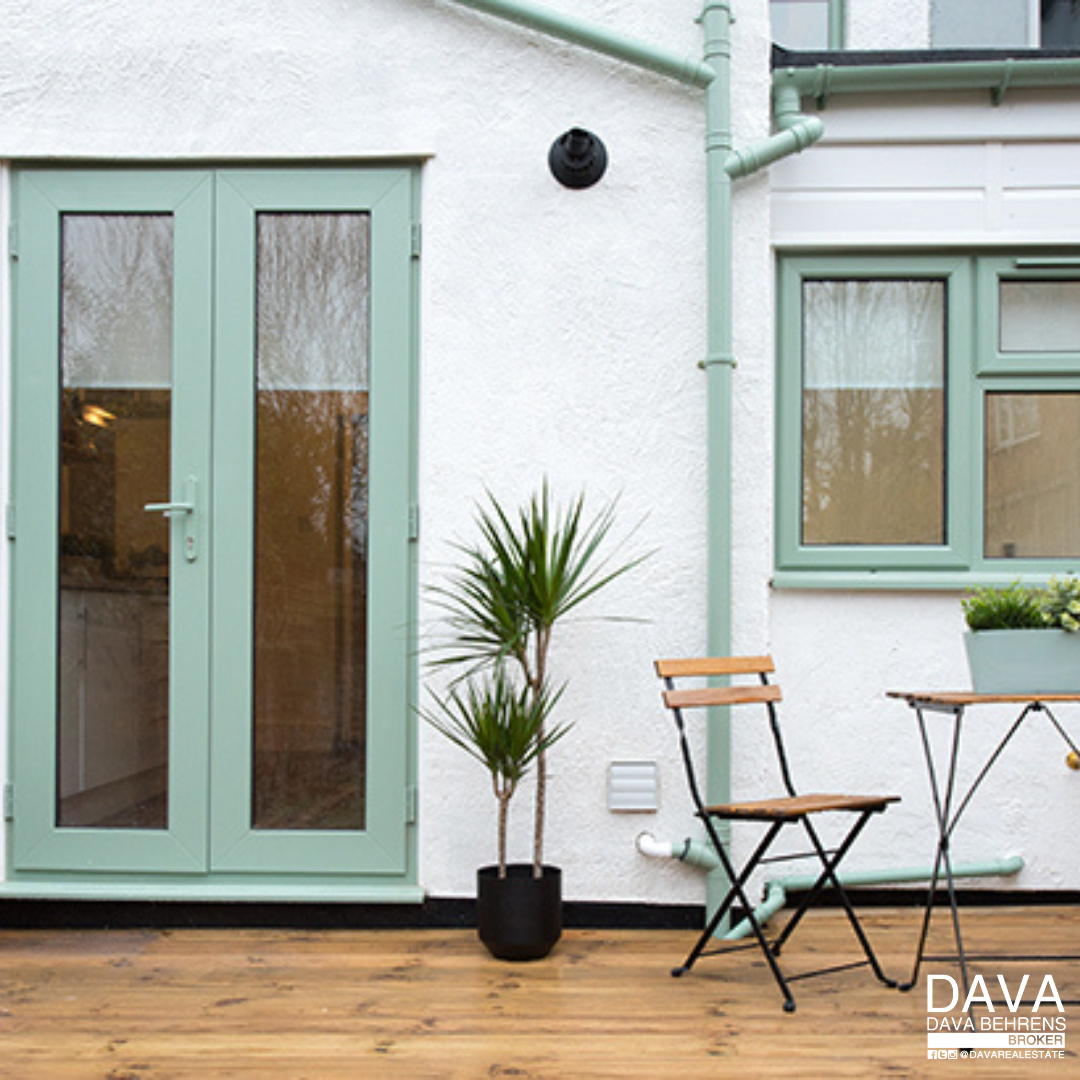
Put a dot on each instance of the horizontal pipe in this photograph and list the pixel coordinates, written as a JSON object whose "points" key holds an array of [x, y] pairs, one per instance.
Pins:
{"points": [[599, 38], [776, 891], [822, 80]]}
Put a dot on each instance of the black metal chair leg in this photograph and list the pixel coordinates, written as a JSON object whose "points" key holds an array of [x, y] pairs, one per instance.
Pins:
{"points": [[738, 892], [830, 873], [735, 892]]}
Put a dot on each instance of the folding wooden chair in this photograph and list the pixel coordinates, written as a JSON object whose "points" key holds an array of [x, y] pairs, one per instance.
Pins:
{"points": [[788, 809]]}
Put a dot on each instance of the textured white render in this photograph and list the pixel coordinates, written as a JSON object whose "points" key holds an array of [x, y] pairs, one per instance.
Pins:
{"points": [[560, 335]]}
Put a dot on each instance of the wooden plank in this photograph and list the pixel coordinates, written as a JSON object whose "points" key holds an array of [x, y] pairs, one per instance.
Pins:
{"points": [[720, 695], [432, 1003], [798, 806], [714, 665], [969, 697]]}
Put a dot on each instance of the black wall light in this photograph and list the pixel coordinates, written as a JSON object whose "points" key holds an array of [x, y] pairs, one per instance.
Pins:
{"points": [[577, 158]]}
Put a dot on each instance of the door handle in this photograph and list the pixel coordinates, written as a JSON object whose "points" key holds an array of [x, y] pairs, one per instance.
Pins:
{"points": [[170, 509], [186, 510]]}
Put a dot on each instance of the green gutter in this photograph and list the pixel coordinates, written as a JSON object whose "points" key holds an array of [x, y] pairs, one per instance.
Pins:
{"points": [[995, 76]]}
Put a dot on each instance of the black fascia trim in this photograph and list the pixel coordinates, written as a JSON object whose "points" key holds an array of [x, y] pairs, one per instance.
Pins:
{"points": [[458, 913], [789, 58]]}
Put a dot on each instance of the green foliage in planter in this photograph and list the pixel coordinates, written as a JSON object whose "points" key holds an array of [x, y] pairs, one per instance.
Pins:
{"points": [[1060, 604], [501, 727], [1015, 607], [1020, 607]]}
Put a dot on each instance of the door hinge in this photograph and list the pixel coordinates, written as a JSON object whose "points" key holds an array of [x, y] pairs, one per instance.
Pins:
{"points": [[411, 805], [414, 522], [13, 242], [416, 240], [9, 520], [9, 802]]}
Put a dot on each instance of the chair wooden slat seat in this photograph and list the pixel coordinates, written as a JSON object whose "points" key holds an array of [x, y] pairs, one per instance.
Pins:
{"points": [[772, 813], [790, 809]]}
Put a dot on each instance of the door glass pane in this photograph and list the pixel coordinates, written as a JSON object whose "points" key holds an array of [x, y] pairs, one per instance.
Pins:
{"points": [[311, 521], [116, 361], [1040, 316], [1032, 476], [873, 438]]}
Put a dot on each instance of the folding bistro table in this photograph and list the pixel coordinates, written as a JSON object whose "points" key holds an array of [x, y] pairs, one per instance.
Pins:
{"points": [[946, 796]]}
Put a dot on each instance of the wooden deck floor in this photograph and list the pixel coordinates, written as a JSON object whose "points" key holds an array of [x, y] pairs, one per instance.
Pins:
{"points": [[431, 1003]]}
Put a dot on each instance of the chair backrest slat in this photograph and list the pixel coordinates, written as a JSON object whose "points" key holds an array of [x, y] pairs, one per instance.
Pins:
{"points": [[720, 695], [715, 665], [757, 691]]}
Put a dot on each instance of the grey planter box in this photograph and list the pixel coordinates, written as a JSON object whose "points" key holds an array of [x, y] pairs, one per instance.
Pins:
{"points": [[1024, 661]]}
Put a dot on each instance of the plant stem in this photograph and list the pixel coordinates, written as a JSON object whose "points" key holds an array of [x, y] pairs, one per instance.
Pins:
{"points": [[543, 639], [503, 794]]}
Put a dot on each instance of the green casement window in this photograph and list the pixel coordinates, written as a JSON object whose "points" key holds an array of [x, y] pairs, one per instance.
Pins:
{"points": [[929, 417], [213, 415], [814, 25]]}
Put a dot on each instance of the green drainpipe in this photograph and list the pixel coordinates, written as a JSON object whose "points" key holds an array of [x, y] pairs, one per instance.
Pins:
{"points": [[719, 367]]}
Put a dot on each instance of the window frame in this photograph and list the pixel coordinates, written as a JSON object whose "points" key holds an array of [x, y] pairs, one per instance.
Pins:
{"points": [[974, 368]]}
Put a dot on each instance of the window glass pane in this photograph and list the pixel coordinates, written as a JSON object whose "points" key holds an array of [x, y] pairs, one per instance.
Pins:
{"points": [[800, 24], [1039, 316], [115, 431], [976, 24], [311, 521], [1032, 500], [1060, 24], [873, 438]]}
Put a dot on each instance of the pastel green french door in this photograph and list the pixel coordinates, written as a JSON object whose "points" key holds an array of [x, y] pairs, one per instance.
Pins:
{"points": [[211, 518]]}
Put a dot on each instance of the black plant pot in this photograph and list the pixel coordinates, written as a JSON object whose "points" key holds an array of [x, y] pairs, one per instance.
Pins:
{"points": [[519, 917]]}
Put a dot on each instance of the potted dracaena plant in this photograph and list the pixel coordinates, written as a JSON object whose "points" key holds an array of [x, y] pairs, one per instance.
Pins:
{"points": [[524, 575], [1024, 639]]}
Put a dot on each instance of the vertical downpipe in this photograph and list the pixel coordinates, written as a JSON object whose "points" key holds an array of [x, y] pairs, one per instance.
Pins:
{"points": [[716, 24]]}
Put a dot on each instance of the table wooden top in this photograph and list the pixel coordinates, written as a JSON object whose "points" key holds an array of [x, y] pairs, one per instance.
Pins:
{"points": [[969, 697]]}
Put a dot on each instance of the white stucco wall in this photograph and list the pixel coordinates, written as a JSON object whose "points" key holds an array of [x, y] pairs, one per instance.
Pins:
{"points": [[560, 335]]}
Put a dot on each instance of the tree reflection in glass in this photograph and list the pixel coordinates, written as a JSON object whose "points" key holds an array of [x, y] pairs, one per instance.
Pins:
{"points": [[311, 521], [873, 412]]}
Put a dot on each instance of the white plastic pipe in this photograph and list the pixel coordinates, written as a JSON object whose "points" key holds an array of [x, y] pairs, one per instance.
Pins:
{"points": [[648, 845]]}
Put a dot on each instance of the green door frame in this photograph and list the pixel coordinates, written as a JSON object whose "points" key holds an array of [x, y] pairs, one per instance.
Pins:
{"points": [[40, 200], [242, 194], [204, 852]]}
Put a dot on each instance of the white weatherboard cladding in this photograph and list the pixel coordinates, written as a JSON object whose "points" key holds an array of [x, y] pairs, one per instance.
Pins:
{"points": [[924, 169], [559, 336]]}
